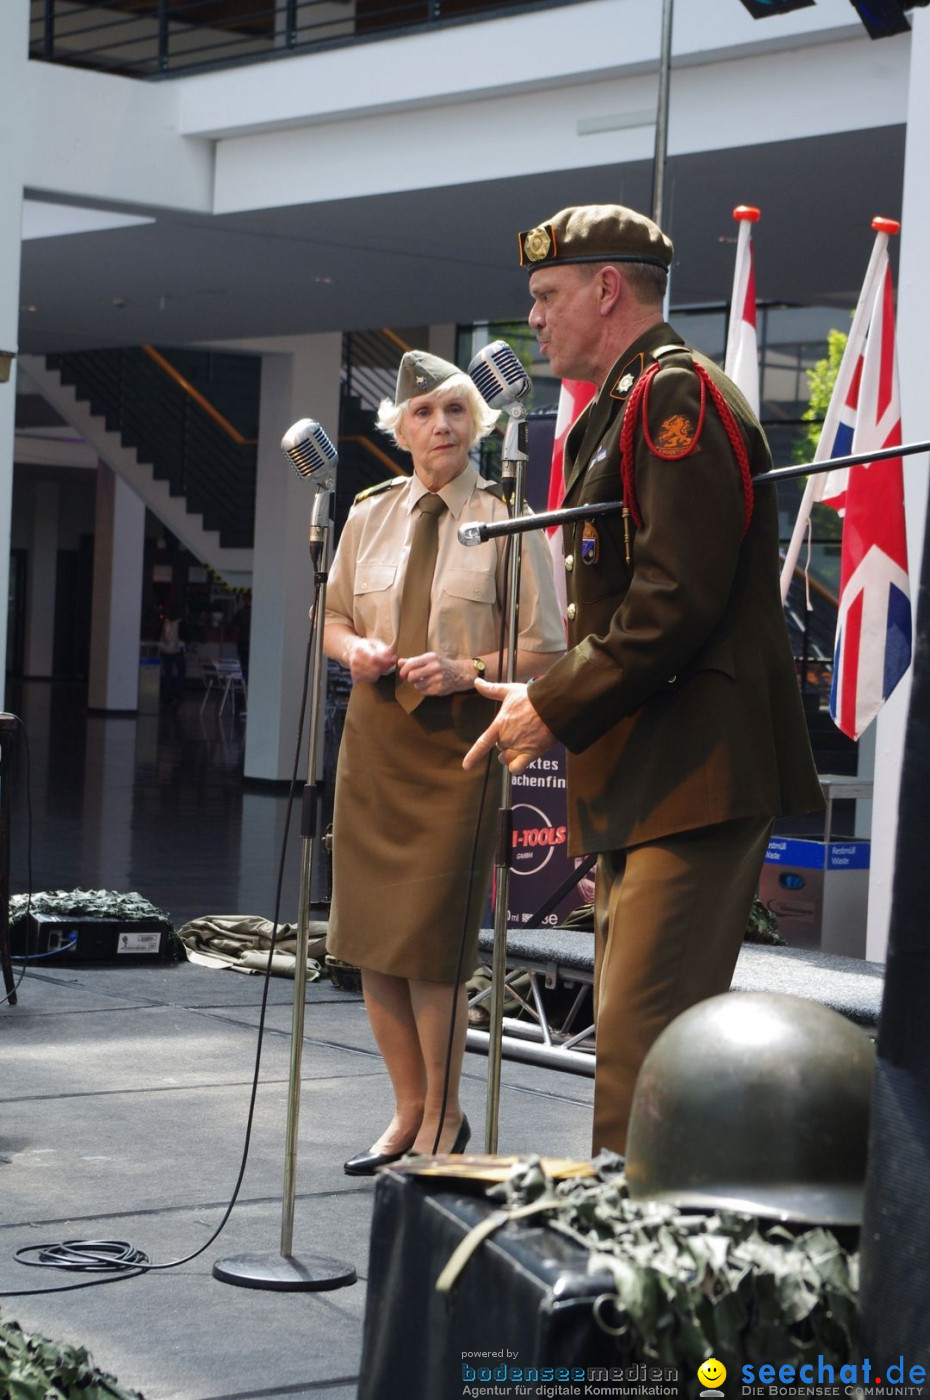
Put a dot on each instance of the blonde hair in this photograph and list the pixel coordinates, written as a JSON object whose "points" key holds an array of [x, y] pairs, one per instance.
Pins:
{"points": [[483, 417]]}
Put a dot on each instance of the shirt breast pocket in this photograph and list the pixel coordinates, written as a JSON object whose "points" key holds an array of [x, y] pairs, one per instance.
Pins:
{"points": [[469, 585], [374, 578]]}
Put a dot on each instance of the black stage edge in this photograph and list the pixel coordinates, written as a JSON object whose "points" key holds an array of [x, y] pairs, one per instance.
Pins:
{"points": [[896, 1229]]}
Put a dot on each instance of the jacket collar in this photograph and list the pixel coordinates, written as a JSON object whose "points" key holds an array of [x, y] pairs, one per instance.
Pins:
{"points": [[593, 422]]}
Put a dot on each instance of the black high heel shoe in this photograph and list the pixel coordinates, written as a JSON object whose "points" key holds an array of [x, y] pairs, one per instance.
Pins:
{"points": [[462, 1137], [367, 1163]]}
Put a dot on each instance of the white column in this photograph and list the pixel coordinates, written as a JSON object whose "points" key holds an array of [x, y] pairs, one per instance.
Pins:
{"points": [[442, 340], [13, 59], [116, 612], [299, 380], [41, 581], [109, 773], [913, 299]]}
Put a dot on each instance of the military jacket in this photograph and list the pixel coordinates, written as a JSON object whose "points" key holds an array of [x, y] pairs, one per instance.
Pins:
{"points": [[678, 701]]}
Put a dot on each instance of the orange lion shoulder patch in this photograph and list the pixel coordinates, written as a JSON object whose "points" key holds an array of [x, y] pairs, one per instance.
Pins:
{"points": [[675, 436]]}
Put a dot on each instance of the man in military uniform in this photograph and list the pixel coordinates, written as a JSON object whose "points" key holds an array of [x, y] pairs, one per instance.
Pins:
{"points": [[678, 700]]}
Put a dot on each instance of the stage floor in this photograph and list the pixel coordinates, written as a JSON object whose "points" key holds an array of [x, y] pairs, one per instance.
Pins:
{"points": [[126, 1088]]}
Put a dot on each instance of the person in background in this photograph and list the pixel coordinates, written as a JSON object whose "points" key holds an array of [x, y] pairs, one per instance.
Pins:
{"points": [[678, 698], [171, 651], [415, 616]]}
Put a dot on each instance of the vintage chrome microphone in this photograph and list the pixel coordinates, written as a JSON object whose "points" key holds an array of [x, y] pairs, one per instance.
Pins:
{"points": [[503, 383], [313, 456]]}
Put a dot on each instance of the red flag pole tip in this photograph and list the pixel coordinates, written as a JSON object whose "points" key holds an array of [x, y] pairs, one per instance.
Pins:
{"points": [[881, 225], [747, 213]]}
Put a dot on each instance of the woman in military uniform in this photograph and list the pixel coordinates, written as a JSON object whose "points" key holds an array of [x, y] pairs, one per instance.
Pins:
{"points": [[415, 617]]}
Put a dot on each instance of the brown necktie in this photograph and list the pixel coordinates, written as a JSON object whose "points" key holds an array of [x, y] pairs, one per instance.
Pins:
{"points": [[418, 582]]}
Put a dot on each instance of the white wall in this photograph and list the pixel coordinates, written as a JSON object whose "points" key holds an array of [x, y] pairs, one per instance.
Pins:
{"points": [[913, 300], [388, 116], [95, 137], [12, 95]]}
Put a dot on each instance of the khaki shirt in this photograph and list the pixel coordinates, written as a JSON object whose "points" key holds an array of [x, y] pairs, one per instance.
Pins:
{"points": [[469, 589]]}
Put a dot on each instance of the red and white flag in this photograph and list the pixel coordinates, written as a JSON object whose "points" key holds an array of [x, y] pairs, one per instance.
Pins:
{"points": [[574, 397], [741, 363], [873, 630]]}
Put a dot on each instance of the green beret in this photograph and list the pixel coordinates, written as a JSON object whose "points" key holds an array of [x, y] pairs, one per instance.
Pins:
{"points": [[421, 373], [595, 233]]}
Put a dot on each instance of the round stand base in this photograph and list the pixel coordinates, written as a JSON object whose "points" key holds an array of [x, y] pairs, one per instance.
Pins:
{"points": [[309, 1274]]}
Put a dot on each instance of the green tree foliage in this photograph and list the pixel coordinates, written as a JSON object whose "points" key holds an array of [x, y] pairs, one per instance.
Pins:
{"points": [[825, 522]]}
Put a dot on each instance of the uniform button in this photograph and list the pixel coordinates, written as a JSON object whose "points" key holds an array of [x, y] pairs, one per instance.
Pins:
{"points": [[569, 563], [571, 610]]}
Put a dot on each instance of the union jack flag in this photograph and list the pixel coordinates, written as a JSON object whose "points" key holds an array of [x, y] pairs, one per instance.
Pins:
{"points": [[873, 632]]}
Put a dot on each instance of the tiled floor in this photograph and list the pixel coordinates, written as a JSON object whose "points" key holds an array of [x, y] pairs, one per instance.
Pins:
{"points": [[153, 803]]}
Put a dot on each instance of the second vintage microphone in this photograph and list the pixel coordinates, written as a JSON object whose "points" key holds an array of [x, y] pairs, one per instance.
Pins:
{"points": [[310, 451]]}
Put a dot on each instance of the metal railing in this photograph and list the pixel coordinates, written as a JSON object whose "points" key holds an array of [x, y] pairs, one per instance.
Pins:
{"points": [[369, 366], [163, 38], [186, 442]]}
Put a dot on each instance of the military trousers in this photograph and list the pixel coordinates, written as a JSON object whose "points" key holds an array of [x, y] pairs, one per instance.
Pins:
{"points": [[669, 919]]}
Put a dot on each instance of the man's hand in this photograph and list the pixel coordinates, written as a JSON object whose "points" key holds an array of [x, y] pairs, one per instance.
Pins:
{"points": [[517, 732]]}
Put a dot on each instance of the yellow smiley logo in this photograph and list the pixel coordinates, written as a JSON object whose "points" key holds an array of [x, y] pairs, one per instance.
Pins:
{"points": [[712, 1373]]}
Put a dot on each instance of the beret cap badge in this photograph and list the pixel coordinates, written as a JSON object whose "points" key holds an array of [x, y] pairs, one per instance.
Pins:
{"points": [[537, 244]]}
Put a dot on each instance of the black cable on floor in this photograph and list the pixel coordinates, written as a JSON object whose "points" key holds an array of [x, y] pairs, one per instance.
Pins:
{"points": [[118, 1259]]}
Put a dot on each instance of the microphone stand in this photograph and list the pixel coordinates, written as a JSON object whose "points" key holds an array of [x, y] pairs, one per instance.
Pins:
{"points": [[513, 459], [476, 532], [285, 1272]]}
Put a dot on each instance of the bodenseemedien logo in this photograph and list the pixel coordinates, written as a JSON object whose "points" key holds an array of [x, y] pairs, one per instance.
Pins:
{"points": [[712, 1374]]}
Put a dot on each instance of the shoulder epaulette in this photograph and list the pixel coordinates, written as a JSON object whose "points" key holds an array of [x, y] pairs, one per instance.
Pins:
{"points": [[381, 486], [495, 489]]}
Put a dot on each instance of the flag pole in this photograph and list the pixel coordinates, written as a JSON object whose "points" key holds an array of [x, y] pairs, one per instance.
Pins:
{"points": [[884, 228], [660, 150], [741, 361]]}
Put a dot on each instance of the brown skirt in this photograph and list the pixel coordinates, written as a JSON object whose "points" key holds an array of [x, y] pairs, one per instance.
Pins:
{"points": [[410, 871]]}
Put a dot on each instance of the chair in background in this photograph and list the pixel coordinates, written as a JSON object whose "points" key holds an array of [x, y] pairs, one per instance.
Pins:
{"points": [[230, 678], [211, 680]]}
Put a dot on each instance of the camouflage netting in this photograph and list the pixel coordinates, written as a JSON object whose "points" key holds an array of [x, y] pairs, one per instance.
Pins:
{"points": [[34, 1368], [687, 1286], [88, 904]]}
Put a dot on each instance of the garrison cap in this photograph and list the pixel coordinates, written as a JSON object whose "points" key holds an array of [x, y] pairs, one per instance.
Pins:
{"points": [[595, 233], [421, 373]]}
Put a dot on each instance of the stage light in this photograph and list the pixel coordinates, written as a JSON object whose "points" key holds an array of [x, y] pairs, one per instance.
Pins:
{"points": [[881, 18], [761, 9]]}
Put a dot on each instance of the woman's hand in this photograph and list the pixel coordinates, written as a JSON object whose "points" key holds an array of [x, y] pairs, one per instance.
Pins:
{"points": [[368, 659], [431, 674]]}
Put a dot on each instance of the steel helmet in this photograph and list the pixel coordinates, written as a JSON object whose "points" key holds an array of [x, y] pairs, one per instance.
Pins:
{"points": [[757, 1102]]}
